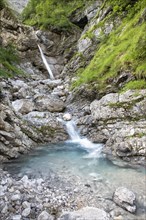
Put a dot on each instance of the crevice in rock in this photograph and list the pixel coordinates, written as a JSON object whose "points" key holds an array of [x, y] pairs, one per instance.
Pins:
{"points": [[82, 22]]}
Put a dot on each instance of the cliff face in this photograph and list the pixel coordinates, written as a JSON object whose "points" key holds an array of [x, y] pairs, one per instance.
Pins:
{"points": [[19, 93], [101, 55]]}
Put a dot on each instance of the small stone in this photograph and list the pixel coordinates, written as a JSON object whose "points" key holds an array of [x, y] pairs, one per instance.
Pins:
{"points": [[16, 197], [26, 204], [118, 217], [76, 190], [26, 212], [3, 182], [45, 216], [24, 178], [39, 181], [5, 209], [67, 117], [11, 189], [16, 217], [1, 190]]}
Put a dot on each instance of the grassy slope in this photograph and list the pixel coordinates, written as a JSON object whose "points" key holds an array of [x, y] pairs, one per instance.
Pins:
{"points": [[123, 50], [51, 13]]}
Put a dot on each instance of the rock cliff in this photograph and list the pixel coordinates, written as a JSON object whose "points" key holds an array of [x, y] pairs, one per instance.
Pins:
{"points": [[99, 83], [102, 113]]}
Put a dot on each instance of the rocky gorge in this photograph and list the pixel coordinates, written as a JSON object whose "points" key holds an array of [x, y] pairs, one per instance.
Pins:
{"points": [[31, 104]]}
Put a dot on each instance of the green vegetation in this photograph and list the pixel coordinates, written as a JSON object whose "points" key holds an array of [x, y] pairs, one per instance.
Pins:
{"points": [[137, 134], [124, 49], [51, 13], [2, 4], [9, 58], [135, 84], [8, 61], [126, 105]]}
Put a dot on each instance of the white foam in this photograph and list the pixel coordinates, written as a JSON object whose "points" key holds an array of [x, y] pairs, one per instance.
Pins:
{"points": [[94, 150], [46, 63]]}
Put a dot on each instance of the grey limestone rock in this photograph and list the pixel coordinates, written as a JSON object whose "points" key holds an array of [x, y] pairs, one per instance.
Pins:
{"points": [[49, 103], [26, 212], [23, 106], [84, 44], [45, 216], [125, 199], [86, 214]]}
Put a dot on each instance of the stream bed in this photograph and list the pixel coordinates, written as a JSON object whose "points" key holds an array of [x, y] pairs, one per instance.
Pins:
{"points": [[79, 170], [70, 160]]}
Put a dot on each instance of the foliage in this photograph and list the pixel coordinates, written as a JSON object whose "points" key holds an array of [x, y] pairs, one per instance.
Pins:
{"points": [[8, 61], [124, 49], [135, 84], [2, 4], [51, 13]]}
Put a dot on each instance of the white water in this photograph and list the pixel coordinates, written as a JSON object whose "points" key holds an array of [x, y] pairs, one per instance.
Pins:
{"points": [[94, 150], [46, 63]]}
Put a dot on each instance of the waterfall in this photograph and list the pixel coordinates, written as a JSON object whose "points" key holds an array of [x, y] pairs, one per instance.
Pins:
{"points": [[94, 150], [46, 63], [72, 131]]}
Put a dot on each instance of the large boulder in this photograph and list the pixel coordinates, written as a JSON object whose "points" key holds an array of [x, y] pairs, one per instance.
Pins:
{"points": [[121, 119], [47, 124], [23, 106], [15, 134], [125, 199], [101, 109], [49, 103], [18, 84], [86, 214]]}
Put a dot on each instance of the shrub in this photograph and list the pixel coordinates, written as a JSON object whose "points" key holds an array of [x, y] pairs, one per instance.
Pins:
{"points": [[8, 62]]}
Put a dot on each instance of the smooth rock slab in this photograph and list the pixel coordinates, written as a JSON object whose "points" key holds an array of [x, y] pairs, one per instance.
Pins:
{"points": [[87, 213], [125, 199]]}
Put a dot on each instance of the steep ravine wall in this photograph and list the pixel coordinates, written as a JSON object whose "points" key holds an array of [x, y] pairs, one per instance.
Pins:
{"points": [[23, 94], [106, 116], [117, 114]]}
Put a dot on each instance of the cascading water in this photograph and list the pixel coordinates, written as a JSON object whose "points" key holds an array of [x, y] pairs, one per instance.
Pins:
{"points": [[46, 63], [94, 150], [72, 131], [77, 161]]}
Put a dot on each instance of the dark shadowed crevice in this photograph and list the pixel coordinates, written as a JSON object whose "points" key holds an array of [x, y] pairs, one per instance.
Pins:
{"points": [[82, 22]]}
